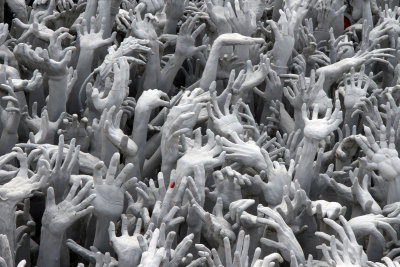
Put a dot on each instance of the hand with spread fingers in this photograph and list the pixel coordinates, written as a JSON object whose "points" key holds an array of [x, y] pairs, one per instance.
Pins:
{"points": [[109, 201]]}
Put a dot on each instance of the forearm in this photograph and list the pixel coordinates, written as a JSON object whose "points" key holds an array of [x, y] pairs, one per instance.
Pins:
{"points": [[50, 248], [8, 224], [275, 13], [150, 166], [170, 26], [90, 10], [168, 73], [136, 171], [286, 123], [101, 239], [152, 145], [242, 52], [57, 96], [2, 2], [197, 235], [139, 131], [280, 58], [7, 142], [167, 164], [160, 117], [367, 13], [152, 73], [6, 158], [374, 249], [321, 34], [210, 70], [107, 149], [348, 119], [335, 71], [298, 120], [83, 70], [393, 191], [108, 9], [305, 165], [269, 194], [104, 10]]}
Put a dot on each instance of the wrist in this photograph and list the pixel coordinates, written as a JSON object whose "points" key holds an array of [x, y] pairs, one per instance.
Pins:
{"points": [[142, 109], [48, 236], [129, 258], [310, 145], [322, 27], [177, 59], [218, 44], [50, 247], [172, 19], [153, 60], [153, 45], [322, 33], [86, 54], [279, 58], [279, 67], [298, 118], [7, 220], [86, 48], [59, 77]]}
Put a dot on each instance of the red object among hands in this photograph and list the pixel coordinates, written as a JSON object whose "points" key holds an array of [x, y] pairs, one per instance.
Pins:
{"points": [[172, 185], [347, 23]]}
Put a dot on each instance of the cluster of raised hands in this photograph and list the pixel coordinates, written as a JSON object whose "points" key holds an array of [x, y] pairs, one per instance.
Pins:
{"points": [[236, 133]]}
